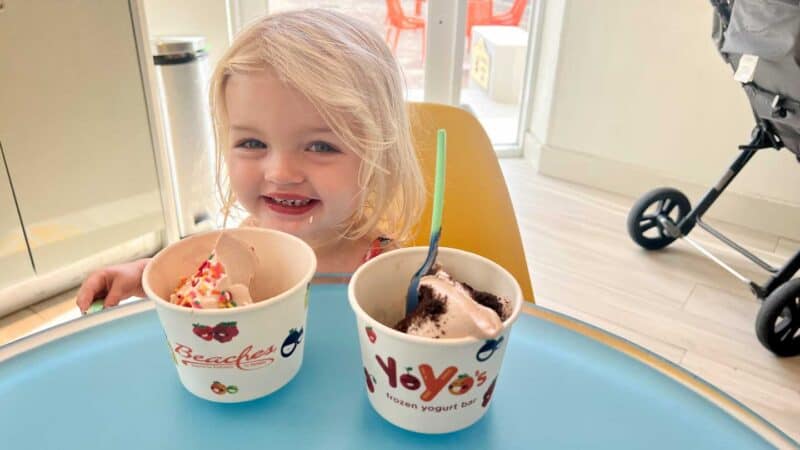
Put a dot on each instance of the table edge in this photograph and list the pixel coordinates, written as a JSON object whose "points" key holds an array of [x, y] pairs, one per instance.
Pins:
{"points": [[725, 402], [40, 338]]}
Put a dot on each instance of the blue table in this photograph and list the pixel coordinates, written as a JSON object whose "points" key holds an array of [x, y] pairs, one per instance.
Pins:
{"points": [[113, 385]]}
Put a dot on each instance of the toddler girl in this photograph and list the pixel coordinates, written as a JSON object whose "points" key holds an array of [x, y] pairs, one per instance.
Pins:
{"points": [[312, 130]]}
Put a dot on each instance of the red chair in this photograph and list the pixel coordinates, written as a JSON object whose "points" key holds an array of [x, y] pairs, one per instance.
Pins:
{"points": [[399, 21], [511, 17], [479, 12]]}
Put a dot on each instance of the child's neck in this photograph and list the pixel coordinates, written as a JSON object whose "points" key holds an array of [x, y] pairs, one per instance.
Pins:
{"points": [[342, 256]]}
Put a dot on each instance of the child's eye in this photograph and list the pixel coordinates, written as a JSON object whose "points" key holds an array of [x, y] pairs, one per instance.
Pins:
{"points": [[322, 147], [251, 144]]}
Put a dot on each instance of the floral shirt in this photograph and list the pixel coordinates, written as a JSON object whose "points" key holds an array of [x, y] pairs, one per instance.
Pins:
{"points": [[378, 246]]}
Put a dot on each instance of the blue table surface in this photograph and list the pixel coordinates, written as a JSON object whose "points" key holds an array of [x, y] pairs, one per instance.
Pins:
{"points": [[115, 386]]}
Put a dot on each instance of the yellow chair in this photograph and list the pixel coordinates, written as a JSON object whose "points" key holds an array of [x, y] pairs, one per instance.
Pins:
{"points": [[478, 215]]}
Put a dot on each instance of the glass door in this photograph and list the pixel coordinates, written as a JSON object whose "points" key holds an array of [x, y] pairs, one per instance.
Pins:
{"points": [[401, 22], [479, 59], [472, 53], [492, 86]]}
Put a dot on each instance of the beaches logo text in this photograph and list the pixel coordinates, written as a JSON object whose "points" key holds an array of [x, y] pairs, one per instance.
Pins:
{"points": [[249, 358]]}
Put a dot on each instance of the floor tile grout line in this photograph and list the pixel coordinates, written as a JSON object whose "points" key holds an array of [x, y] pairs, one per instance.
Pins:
{"points": [[688, 297]]}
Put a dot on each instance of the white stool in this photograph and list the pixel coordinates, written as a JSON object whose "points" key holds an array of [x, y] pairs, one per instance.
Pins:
{"points": [[497, 57]]}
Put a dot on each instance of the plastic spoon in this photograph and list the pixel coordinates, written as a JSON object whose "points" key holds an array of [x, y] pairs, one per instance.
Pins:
{"points": [[412, 297]]}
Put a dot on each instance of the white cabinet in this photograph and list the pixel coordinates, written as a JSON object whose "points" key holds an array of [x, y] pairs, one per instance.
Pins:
{"points": [[14, 261], [75, 130]]}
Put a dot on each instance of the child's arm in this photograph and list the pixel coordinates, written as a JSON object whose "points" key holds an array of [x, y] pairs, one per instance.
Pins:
{"points": [[114, 283]]}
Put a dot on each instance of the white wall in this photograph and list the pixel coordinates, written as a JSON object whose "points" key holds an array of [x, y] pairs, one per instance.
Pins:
{"points": [[632, 95], [250, 10]]}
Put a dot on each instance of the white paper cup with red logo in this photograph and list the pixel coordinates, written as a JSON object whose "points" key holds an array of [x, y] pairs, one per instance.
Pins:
{"points": [[242, 353], [423, 384]]}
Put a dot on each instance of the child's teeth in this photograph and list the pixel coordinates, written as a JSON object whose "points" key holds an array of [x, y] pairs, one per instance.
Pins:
{"points": [[293, 202]]}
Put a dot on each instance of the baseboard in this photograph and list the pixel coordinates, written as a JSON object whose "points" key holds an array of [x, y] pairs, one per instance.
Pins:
{"points": [[532, 149], [761, 214]]}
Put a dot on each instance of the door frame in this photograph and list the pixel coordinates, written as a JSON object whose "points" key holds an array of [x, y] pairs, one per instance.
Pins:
{"points": [[444, 62]]}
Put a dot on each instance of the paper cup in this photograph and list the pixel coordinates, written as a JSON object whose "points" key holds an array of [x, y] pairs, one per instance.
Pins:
{"points": [[423, 384], [243, 353]]}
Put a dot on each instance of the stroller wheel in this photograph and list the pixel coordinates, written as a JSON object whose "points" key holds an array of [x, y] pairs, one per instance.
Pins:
{"points": [[645, 224], [778, 321]]}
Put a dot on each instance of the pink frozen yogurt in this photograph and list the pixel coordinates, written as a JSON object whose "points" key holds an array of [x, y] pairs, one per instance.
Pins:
{"points": [[450, 309], [223, 280]]}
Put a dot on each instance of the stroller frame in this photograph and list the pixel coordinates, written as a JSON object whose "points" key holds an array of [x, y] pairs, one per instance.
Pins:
{"points": [[665, 214], [762, 139]]}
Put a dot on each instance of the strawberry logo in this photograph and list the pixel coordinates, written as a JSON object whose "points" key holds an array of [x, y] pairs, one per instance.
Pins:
{"points": [[488, 349], [461, 385], [222, 332], [291, 342], [371, 335], [225, 331], [205, 332], [220, 389]]}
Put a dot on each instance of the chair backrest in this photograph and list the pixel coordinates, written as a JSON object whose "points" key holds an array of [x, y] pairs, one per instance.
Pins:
{"points": [[479, 12], [512, 16], [517, 9], [478, 215], [394, 12]]}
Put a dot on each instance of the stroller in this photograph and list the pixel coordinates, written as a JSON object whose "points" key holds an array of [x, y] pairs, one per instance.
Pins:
{"points": [[760, 39]]}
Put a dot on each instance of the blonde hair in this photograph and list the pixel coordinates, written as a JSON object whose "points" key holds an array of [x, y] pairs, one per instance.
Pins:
{"points": [[348, 73]]}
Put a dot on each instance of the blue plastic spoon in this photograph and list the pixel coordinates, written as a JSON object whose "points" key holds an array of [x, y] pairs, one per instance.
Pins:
{"points": [[412, 297]]}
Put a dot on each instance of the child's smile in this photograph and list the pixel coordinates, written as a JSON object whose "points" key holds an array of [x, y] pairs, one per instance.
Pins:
{"points": [[292, 204], [287, 167]]}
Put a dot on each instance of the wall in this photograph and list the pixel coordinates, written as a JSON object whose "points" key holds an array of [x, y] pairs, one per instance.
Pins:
{"points": [[74, 128], [633, 95], [250, 10]]}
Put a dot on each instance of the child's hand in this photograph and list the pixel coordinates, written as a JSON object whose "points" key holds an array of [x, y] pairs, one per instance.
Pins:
{"points": [[114, 283]]}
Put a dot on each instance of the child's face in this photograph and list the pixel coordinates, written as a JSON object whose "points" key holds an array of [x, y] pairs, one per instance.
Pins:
{"points": [[286, 166]]}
